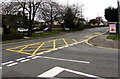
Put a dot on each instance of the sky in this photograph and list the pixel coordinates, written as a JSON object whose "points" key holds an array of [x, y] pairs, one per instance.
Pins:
{"points": [[92, 8]]}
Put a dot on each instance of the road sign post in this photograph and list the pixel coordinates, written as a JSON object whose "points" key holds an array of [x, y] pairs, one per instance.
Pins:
{"points": [[118, 17], [113, 27]]}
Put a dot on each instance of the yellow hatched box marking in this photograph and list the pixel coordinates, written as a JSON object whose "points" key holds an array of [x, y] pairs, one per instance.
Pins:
{"points": [[42, 47]]}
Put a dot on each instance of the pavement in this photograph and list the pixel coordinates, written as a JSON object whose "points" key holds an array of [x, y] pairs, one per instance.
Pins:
{"points": [[102, 41]]}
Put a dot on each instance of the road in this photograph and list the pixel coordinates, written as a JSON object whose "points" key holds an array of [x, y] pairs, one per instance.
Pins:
{"points": [[60, 57]]}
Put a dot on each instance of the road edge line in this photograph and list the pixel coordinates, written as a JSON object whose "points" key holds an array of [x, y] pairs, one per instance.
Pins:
{"points": [[87, 42]]}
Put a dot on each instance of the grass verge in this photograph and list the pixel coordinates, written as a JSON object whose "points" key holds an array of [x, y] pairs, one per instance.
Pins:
{"points": [[114, 37]]}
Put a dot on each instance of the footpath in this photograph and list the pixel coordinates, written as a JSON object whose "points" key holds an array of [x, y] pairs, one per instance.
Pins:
{"points": [[102, 41]]}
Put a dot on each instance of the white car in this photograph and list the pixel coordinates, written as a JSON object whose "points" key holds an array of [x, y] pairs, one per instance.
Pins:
{"points": [[22, 30], [47, 29]]}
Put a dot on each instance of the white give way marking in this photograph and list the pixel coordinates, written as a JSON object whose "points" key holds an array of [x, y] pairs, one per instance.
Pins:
{"points": [[56, 70]]}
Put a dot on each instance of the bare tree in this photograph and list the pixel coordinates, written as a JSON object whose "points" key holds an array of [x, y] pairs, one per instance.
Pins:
{"points": [[31, 7], [48, 11], [10, 8]]}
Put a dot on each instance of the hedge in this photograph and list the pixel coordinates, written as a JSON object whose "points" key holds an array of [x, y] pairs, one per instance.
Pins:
{"points": [[11, 36]]}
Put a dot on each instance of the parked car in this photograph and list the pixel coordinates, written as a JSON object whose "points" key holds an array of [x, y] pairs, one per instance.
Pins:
{"points": [[36, 29], [47, 29], [22, 29]]}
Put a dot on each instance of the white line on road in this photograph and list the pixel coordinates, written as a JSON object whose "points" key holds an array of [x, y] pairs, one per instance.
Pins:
{"points": [[20, 59], [12, 64], [76, 61], [0, 68], [25, 60], [52, 72], [30, 56], [35, 57], [7, 62], [56, 70]]}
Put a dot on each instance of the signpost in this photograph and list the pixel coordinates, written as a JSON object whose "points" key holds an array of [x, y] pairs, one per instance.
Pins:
{"points": [[118, 17], [113, 27]]}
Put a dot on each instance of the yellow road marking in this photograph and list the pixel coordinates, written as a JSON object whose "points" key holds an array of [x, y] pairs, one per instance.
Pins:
{"points": [[38, 48], [86, 41], [101, 47], [25, 45], [54, 44], [33, 47], [74, 40], [48, 45], [20, 52], [42, 46], [24, 48], [28, 50], [65, 42], [17, 47], [45, 49]]}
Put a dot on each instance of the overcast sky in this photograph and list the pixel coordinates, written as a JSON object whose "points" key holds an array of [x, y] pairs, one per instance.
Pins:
{"points": [[92, 8]]}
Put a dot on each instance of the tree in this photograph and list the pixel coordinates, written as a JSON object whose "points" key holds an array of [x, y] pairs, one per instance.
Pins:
{"points": [[31, 7], [48, 11], [111, 14], [28, 6], [10, 8], [69, 18], [70, 12]]}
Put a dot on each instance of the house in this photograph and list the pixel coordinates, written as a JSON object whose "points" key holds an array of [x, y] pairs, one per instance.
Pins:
{"points": [[14, 21]]}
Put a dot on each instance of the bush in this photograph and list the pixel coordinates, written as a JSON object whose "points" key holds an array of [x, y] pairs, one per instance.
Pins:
{"points": [[11, 36], [80, 26]]}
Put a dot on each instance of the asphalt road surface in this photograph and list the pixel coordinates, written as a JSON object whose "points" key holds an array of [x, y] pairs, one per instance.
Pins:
{"points": [[64, 56]]}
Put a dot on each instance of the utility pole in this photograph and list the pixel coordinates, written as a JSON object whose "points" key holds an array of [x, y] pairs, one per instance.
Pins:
{"points": [[82, 11]]}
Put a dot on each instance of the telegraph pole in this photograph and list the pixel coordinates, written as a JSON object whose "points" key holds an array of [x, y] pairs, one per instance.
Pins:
{"points": [[82, 11]]}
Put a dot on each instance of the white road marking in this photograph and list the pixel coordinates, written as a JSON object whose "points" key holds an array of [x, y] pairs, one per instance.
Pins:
{"points": [[56, 70], [30, 56], [20, 59], [7, 62], [76, 61], [52, 72], [54, 49], [0, 67], [35, 57], [25, 60], [66, 46], [47, 51], [12, 64]]}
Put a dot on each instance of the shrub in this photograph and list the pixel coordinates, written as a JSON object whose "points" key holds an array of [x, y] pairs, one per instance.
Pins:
{"points": [[11, 36]]}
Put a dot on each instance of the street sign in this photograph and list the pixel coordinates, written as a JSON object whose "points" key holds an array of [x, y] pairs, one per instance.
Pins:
{"points": [[112, 28]]}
